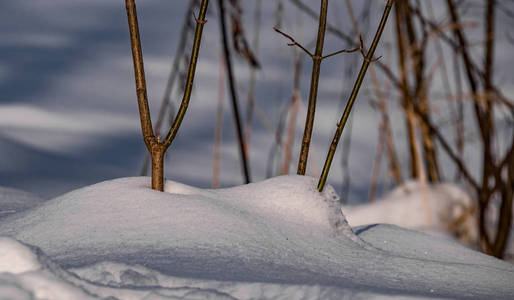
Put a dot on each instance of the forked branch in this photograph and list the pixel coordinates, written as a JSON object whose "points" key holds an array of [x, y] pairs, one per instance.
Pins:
{"points": [[155, 146], [295, 43]]}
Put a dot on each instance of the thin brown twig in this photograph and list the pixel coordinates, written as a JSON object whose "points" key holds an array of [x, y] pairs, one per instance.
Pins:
{"points": [[218, 132], [233, 95], [293, 42], [347, 38], [292, 116], [363, 53], [376, 165], [341, 51], [353, 96], [253, 78], [385, 132], [313, 90], [446, 146]]}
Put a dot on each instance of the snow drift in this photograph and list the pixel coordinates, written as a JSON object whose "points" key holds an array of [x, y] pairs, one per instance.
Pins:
{"points": [[255, 241], [417, 206], [442, 209]]}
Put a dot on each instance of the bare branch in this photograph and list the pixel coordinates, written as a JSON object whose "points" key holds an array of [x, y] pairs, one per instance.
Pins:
{"points": [[341, 51], [347, 38], [293, 41], [233, 95], [200, 22], [353, 96], [139, 74], [313, 90], [446, 146]]}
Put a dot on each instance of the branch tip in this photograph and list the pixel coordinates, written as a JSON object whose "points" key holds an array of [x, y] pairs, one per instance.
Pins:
{"points": [[294, 42]]}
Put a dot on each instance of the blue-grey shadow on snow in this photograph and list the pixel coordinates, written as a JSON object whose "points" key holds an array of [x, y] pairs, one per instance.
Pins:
{"points": [[361, 229]]}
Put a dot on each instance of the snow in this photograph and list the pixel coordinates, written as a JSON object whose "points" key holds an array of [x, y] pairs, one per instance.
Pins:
{"points": [[120, 281], [14, 200], [15, 257], [443, 209], [276, 239], [420, 207]]}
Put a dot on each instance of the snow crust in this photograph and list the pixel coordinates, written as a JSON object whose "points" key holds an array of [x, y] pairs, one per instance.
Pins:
{"points": [[275, 239]]}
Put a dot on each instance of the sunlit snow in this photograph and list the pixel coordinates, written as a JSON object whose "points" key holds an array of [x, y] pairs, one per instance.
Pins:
{"points": [[276, 239]]}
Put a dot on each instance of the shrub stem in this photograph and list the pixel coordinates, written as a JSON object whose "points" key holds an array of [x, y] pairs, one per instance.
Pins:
{"points": [[154, 145], [316, 64], [353, 96]]}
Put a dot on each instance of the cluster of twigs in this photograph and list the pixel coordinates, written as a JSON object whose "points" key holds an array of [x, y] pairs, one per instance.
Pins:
{"points": [[497, 178], [157, 148], [317, 57], [414, 32]]}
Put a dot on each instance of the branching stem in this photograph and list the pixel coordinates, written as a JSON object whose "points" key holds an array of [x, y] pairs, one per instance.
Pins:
{"points": [[154, 145]]}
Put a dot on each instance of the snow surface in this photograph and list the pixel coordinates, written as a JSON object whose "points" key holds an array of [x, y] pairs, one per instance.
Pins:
{"points": [[440, 209], [277, 239], [14, 201], [421, 207]]}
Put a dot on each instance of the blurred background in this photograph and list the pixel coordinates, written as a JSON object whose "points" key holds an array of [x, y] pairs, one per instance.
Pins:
{"points": [[68, 109], [437, 106]]}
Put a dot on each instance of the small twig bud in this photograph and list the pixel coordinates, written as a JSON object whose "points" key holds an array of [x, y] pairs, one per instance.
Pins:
{"points": [[198, 20]]}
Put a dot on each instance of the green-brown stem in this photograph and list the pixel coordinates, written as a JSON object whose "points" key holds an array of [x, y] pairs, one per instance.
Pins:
{"points": [[316, 58], [157, 156], [200, 22], [139, 74], [353, 96]]}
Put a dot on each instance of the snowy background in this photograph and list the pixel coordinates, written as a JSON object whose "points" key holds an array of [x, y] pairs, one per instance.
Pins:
{"points": [[68, 112]]}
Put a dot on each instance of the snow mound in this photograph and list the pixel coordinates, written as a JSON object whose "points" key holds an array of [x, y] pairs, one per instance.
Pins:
{"points": [[14, 201], [441, 209], [91, 223], [292, 199], [279, 238]]}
